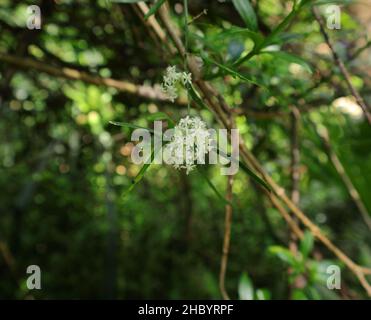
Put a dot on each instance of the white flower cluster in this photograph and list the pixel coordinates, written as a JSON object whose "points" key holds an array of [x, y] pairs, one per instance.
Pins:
{"points": [[189, 144], [170, 80]]}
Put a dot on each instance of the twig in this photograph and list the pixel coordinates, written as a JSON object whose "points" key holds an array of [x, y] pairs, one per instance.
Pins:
{"points": [[343, 69], [359, 51], [295, 156], [295, 181], [152, 22], [227, 239], [324, 135], [288, 218], [147, 24], [144, 91], [11, 264], [7, 255], [203, 12]]}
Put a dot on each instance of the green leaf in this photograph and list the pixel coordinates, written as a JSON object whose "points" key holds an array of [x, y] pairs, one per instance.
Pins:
{"points": [[284, 254], [245, 288], [128, 1], [145, 167], [306, 244], [245, 168], [322, 2], [216, 41], [247, 13], [196, 98], [285, 22], [290, 58], [230, 71], [286, 37], [248, 171], [272, 36], [161, 116], [211, 185], [130, 125], [154, 9], [140, 175], [248, 56], [233, 32], [298, 294], [262, 294]]}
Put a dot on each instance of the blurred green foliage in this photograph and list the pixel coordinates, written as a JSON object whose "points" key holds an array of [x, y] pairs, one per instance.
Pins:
{"points": [[64, 167]]}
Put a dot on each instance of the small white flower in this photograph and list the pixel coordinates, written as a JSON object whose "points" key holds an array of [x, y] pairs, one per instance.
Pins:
{"points": [[172, 74], [171, 93], [186, 78], [170, 80], [189, 144]]}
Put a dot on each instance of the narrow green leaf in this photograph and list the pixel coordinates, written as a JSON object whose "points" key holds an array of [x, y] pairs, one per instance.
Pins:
{"points": [[216, 41], [140, 175], [285, 22], [128, 1], [299, 294], [322, 2], [161, 116], [145, 167], [247, 13], [246, 169], [196, 98], [262, 294], [154, 8], [234, 32], [231, 71], [284, 254], [130, 125], [290, 58], [245, 288], [286, 37], [306, 244], [247, 57], [211, 185], [272, 36]]}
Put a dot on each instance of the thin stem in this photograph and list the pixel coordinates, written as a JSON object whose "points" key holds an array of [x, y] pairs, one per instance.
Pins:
{"points": [[295, 184], [354, 194], [227, 239], [144, 91], [185, 2], [365, 108], [295, 156]]}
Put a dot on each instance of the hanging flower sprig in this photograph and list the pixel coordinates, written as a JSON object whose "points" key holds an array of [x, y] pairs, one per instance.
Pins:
{"points": [[171, 80]]}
